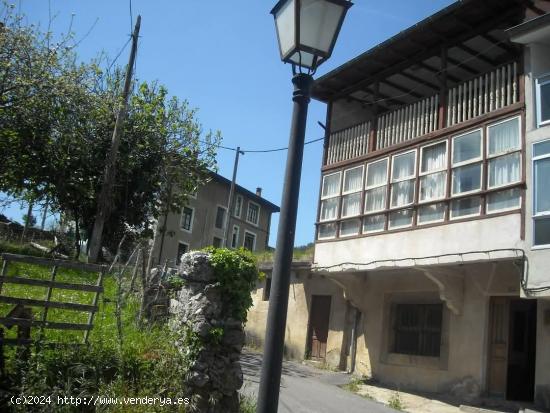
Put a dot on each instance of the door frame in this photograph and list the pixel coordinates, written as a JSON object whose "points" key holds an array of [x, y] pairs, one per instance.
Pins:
{"points": [[309, 325]]}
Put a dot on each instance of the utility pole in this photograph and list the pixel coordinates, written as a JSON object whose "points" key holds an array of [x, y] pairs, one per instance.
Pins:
{"points": [[104, 202], [230, 200]]}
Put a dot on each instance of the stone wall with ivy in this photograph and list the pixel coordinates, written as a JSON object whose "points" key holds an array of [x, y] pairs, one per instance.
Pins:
{"points": [[212, 294]]}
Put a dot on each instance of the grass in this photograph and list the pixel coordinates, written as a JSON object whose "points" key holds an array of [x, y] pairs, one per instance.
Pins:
{"points": [[301, 253], [354, 386], [395, 402]]}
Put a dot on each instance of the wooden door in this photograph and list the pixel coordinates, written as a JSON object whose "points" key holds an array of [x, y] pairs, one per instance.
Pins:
{"points": [[499, 322], [522, 350], [318, 326]]}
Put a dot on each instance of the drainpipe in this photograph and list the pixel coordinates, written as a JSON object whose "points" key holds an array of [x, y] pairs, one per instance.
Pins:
{"points": [[356, 318]]}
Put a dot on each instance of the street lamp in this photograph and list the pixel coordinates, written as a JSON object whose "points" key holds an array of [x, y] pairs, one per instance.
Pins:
{"points": [[306, 31]]}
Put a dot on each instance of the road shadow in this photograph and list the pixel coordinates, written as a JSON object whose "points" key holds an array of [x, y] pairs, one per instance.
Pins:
{"points": [[251, 364]]}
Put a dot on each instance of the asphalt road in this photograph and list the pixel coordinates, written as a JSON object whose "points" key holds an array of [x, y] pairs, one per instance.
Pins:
{"points": [[305, 389]]}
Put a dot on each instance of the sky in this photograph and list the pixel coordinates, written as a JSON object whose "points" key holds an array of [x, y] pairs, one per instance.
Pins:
{"points": [[222, 56]]}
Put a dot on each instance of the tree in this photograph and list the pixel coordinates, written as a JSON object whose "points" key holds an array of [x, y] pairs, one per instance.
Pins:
{"points": [[56, 122]]}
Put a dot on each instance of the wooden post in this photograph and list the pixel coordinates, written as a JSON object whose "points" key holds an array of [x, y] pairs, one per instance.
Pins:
{"points": [[104, 201], [94, 303], [48, 297], [374, 124], [442, 115]]}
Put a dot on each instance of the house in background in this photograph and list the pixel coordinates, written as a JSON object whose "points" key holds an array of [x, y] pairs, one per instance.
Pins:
{"points": [[202, 222], [434, 210]]}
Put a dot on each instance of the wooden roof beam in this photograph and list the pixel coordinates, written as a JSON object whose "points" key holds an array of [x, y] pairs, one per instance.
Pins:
{"points": [[421, 81], [476, 54], [402, 89]]}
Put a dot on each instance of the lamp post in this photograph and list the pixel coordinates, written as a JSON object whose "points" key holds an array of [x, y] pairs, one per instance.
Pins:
{"points": [[306, 31]]}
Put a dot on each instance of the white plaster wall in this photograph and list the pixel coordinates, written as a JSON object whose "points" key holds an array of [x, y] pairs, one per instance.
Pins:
{"points": [[478, 235]]}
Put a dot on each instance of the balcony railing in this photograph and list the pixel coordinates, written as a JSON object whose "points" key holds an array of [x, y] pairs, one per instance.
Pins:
{"points": [[491, 91], [348, 143]]}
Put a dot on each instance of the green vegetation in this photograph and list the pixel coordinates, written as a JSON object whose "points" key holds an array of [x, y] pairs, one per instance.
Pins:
{"points": [[395, 402], [22, 249], [354, 386], [301, 253]]}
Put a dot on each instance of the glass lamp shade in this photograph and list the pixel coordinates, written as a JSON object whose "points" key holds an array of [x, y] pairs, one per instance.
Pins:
{"points": [[307, 29]]}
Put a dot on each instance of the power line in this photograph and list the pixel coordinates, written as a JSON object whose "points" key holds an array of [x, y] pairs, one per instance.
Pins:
{"points": [[260, 150]]}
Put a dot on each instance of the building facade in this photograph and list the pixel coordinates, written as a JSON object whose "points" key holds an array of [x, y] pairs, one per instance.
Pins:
{"points": [[434, 209], [203, 221]]}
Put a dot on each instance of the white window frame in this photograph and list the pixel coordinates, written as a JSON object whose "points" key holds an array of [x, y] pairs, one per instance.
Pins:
{"points": [[372, 231], [505, 153], [385, 184], [357, 191], [182, 243], [426, 204], [349, 235], [496, 211], [435, 171], [224, 217], [240, 207], [319, 237], [337, 195], [390, 226], [541, 81], [192, 219], [544, 214], [408, 178], [258, 216], [238, 234], [255, 238], [465, 163]]}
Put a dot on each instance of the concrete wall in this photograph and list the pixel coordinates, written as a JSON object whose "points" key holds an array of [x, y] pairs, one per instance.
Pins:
{"points": [[303, 286], [203, 230]]}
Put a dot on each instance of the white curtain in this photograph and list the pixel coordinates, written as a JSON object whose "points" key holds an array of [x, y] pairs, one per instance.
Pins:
{"points": [[402, 193], [377, 173], [504, 170], [351, 205], [331, 185], [403, 166], [467, 178], [467, 147], [434, 157], [353, 179], [504, 137], [432, 186], [375, 199], [329, 209], [374, 223]]}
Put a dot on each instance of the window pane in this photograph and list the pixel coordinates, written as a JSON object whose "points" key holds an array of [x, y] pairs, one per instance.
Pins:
{"points": [[376, 173], [327, 230], [541, 148], [220, 217], [467, 178], [503, 200], [504, 170], [351, 205], [504, 136], [542, 185], [329, 209], [374, 223], [541, 227], [350, 227], [401, 218], [431, 213], [545, 102], [331, 185], [465, 207], [238, 206], [375, 199], [402, 193], [434, 157], [432, 186], [467, 147], [403, 166], [353, 179], [252, 215], [249, 241]]}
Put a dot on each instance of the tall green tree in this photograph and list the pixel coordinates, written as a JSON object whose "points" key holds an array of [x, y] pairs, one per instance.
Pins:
{"points": [[56, 122]]}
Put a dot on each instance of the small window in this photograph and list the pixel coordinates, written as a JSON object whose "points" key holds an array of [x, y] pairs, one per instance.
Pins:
{"points": [[217, 242], [503, 151], [182, 249], [327, 231], [187, 219], [249, 241], [467, 163], [541, 193], [267, 289], [543, 100], [238, 206], [235, 237], [403, 179], [417, 329], [253, 213], [374, 223], [433, 171], [376, 186], [220, 217], [351, 199], [349, 227], [330, 192], [431, 213]]}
